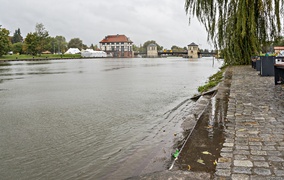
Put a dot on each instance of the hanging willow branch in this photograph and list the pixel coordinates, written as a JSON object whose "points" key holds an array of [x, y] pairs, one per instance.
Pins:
{"points": [[239, 27]]}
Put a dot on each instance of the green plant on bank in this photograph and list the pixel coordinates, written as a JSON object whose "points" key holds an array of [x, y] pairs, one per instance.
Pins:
{"points": [[42, 56], [213, 81]]}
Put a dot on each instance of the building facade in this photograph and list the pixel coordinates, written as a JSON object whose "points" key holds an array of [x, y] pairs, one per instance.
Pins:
{"points": [[117, 46], [152, 50], [193, 50], [278, 49]]}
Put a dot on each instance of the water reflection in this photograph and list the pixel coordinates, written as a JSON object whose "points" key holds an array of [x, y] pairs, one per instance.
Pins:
{"points": [[202, 149], [38, 63], [4, 64], [115, 68]]}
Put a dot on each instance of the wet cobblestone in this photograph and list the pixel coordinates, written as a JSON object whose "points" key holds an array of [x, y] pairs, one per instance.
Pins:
{"points": [[254, 145]]}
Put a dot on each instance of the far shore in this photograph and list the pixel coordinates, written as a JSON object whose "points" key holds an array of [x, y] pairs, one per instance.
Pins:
{"points": [[24, 57]]}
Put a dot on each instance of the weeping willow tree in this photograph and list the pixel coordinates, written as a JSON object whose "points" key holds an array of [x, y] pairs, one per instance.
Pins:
{"points": [[238, 27]]}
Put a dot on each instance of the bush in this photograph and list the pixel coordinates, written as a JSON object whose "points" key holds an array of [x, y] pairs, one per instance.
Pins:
{"points": [[213, 81]]}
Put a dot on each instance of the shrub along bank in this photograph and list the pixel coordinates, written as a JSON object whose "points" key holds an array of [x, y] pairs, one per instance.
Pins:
{"points": [[212, 81]]}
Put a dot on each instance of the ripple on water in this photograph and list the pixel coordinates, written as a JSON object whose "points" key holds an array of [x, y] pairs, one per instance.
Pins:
{"points": [[57, 123]]}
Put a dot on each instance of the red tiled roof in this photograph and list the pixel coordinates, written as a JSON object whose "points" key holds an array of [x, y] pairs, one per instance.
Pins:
{"points": [[115, 38]]}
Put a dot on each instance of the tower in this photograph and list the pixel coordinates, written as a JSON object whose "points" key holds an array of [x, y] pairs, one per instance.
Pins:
{"points": [[152, 50], [193, 50]]}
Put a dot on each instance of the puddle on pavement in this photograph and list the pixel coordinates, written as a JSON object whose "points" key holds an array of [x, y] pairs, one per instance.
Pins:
{"points": [[202, 149]]}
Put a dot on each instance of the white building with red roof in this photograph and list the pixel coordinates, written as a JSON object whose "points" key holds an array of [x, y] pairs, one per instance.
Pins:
{"points": [[117, 45]]}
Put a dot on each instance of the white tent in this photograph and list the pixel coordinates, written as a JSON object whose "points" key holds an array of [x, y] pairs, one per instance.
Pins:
{"points": [[72, 51], [92, 53]]}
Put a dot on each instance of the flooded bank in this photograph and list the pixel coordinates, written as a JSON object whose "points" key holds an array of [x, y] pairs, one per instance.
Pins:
{"points": [[201, 151], [94, 118]]}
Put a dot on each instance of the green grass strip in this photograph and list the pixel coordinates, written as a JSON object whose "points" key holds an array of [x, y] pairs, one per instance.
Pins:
{"points": [[43, 56], [214, 80]]}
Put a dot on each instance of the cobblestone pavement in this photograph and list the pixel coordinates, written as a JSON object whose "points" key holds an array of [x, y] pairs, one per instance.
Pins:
{"points": [[254, 145]]}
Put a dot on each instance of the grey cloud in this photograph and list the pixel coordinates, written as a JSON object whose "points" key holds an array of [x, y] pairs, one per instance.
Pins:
{"points": [[164, 21]]}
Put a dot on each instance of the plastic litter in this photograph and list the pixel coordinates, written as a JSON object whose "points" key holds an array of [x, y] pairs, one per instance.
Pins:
{"points": [[176, 153]]}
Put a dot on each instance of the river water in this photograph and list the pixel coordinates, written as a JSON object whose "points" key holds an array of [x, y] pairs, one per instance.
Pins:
{"points": [[94, 118]]}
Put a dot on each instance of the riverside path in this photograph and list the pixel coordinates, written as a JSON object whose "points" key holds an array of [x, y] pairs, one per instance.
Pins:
{"points": [[254, 145], [254, 133]]}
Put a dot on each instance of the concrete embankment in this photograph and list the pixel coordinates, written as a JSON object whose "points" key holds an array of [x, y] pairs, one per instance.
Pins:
{"points": [[252, 140]]}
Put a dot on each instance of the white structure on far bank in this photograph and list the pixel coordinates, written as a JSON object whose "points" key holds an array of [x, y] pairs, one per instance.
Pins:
{"points": [[72, 51], [92, 53], [152, 50], [193, 50]]}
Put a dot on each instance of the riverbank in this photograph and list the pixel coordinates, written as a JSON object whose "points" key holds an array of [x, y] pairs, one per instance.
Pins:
{"points": [[203, 134], [23, 57], [252, 140]]}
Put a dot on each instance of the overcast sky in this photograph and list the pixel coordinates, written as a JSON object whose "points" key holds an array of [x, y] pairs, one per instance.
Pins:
{"points": [[164, 21]]}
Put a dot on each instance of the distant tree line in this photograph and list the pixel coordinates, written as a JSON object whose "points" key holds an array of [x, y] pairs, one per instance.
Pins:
{"points": [[39, 41], [35, 43], [5, 42], [143, 48]]}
